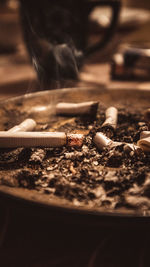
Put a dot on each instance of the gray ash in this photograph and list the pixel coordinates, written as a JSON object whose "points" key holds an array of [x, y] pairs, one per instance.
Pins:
{"points": [[85, 176]]}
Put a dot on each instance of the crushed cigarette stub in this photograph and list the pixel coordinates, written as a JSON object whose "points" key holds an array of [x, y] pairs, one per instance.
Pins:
{"points": [[102, 142], [26, 125], [111, 117], [144, 144], [77, 108], [39, 139]]}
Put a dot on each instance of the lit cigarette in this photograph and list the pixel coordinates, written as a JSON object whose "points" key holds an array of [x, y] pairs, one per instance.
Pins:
{"points": [[77, 108], [26, 125], [144, 144], [111, 118], [144, 134], [39, 139], [102, 141]]}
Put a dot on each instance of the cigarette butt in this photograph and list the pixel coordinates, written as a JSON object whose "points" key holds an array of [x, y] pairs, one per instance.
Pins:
{"points": [[102, 141], [77, 108], [144, 134], [144, 144], [26, 125], [111, 117], [39, 139]]}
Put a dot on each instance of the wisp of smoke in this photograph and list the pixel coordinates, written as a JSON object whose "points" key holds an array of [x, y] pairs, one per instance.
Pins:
{"points": [[54, 37], [55, 64]]}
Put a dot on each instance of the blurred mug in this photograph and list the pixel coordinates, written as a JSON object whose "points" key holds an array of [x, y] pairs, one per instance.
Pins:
{"points": [[56, 34]]}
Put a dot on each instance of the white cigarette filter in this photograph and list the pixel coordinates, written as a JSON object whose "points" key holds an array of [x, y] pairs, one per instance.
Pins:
{"points": [[144, 134], [77, 108], [102, 141], [38, 139], [111, 117], [26, 125], [144, 144]]}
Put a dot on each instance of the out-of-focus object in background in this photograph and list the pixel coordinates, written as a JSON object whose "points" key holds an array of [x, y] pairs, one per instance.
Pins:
{"points": [[10, 30], [130, 18], [131, 62], [56, 35]]}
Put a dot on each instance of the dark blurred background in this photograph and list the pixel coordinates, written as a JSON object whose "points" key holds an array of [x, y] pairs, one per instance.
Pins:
{"points": [[17, 75]]}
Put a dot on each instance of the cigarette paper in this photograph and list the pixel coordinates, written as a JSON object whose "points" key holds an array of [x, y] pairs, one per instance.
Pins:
{"points": [[77, 108], [32, 139], [144, 144], [26, 125], [39, 139], [111, 117], [102, 141], [144, 134]]}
